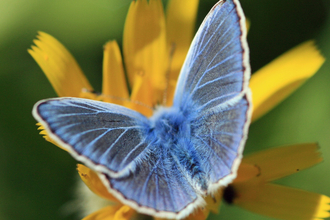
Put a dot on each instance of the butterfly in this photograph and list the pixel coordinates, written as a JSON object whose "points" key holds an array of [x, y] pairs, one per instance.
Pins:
{"points": [[166, 164]]}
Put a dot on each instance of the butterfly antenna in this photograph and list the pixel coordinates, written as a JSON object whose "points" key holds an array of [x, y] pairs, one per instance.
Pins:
{"points": [[143, 105], [168, 71]]}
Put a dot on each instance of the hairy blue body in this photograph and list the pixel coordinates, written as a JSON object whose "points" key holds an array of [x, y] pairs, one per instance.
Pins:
{"points": [[170, 131]]}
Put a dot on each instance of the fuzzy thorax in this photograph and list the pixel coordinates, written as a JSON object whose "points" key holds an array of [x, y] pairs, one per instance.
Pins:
{"points": [[171, 133]]}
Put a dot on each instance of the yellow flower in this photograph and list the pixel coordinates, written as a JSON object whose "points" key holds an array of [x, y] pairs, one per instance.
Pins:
{"points": [[152, 64]]}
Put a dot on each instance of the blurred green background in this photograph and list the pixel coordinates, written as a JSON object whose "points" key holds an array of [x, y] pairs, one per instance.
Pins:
{"points": [[38, 179]]}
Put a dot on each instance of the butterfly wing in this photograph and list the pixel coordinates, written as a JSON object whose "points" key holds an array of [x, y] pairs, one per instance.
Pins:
{"points": [[220, 137], [157, 188], [213, 90], [217, 65], [106, 137], [116, 142]]}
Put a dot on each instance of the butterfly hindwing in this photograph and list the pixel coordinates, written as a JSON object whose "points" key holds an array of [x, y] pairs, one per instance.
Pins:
{"points": [[219, 136], [157, 186]]}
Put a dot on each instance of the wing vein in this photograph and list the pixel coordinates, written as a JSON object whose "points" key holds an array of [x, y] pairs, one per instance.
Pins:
{"points": [[98, 138], [132, 151], [111, 146], [212, 150], [215, 56], [222, 145], [217, 98], [169, 186], [148, 178]]}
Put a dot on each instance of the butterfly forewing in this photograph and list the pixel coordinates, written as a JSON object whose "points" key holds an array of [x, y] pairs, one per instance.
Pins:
{"points": [[218, 136], [107, 137], [216, 69], [157, 185]]}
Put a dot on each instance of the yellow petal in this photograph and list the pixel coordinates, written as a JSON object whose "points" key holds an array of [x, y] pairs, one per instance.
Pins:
{"points": [[125, 213], [199, 214], [87, 94], [274, 82], [246, 171], [140, 93], [180, 26], [94, 183], [281, 202], [59, 66], [114, 88], [323, 208], [213, 201], [44, 134], [279, 162], [117, 212], [145, 50], [248, 25]]}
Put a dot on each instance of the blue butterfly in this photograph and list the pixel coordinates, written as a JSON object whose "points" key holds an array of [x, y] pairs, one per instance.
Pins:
{"points": [[164, 165]]}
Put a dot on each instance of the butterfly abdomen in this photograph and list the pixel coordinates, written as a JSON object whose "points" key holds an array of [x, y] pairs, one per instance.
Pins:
{"points": [[171, 132], [191, 164]]}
